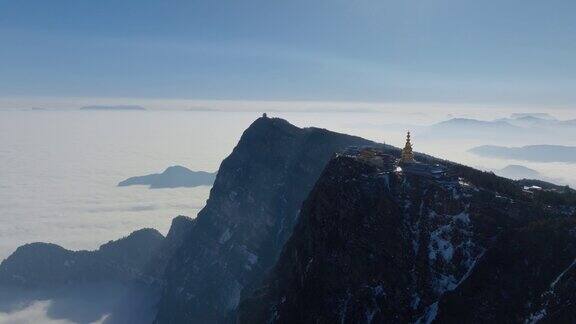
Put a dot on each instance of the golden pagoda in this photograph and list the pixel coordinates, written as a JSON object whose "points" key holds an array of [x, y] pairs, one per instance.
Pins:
{"points": [[407, 154]]}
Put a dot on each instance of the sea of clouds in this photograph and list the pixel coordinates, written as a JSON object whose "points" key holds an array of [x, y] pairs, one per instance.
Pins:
{"points": [[59, 168]]}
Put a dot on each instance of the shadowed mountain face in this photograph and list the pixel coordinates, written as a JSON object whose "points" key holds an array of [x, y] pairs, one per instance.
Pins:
{"points": [[120, 281], [376, 247], [42, 265], [527, 275], [179, 230], [535, 153], [252, 208], [172, 177]]}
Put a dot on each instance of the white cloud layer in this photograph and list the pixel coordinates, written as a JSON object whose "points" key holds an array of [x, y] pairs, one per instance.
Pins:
{"points": [[59, 169]]}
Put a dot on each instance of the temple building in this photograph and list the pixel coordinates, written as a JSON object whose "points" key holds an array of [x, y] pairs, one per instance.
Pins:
{"points": [[377, 158], [406, 164], [410, 166], [407, 154]]}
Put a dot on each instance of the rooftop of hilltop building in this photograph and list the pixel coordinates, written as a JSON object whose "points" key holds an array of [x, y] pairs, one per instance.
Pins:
{"points": [[387, 159], [435, 171], [406, 164]]}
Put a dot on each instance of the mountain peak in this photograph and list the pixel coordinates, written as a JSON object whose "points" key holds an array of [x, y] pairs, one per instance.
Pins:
{"points": [[172, 177], [373, 244], [252, 209]]}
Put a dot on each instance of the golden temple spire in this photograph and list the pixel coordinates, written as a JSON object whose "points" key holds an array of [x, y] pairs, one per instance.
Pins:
{"points": [[407, 154]]}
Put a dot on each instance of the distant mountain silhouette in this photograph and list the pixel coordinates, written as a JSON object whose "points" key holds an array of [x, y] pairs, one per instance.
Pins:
{"points": [[459, 122], [535, 153], [138, 257], [116, 107], [532, 115], [571, 122], [526, 126], [172, 177], [531, 121], [518, 172], [466, 127], [540, 121], [39, 265]]}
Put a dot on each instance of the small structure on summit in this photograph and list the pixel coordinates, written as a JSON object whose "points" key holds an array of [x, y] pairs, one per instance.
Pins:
{"points": [[264, 115], [377, 158], [407, 153], [408, 165]]}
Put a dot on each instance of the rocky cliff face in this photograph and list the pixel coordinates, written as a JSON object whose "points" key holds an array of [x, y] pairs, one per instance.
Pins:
{"points": [[251, 211], [373, 247], [179, 230], [526, 277]]}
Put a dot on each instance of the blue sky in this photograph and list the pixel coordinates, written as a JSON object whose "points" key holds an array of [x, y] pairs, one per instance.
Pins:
{"points": [[373, 50]]}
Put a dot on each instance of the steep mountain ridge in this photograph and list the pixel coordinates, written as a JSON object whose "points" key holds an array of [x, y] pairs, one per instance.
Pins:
{"points": [[179, 229], [252, 208], [374, 246]]}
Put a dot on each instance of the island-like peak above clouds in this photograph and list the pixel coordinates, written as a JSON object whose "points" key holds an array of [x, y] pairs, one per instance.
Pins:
{"points": [[532, 115], [474, 128], [528, 177], [173, 177], [526, 128], [517, 172], [113, 107], [472, 122], [516, 122]]}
